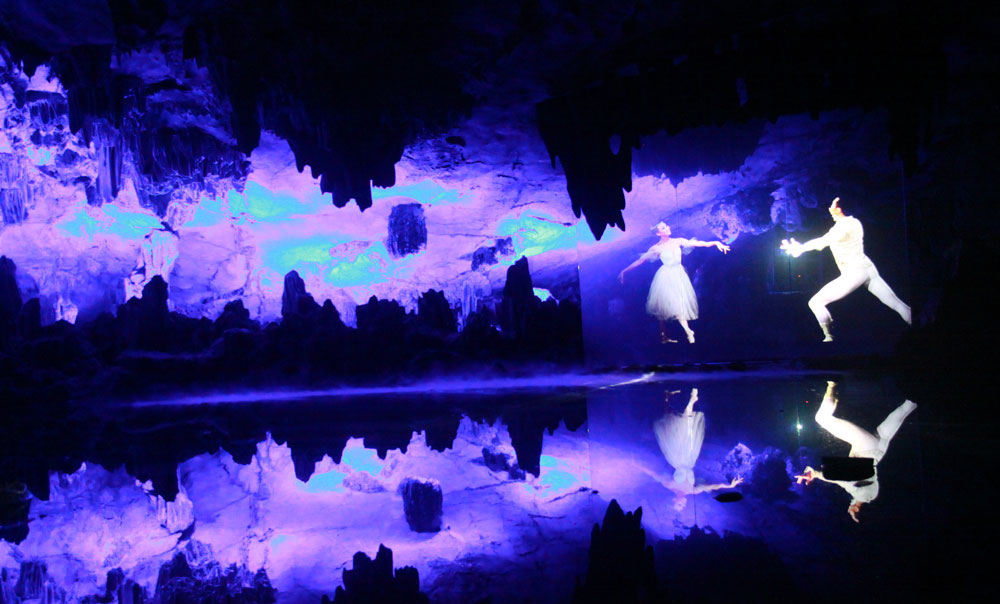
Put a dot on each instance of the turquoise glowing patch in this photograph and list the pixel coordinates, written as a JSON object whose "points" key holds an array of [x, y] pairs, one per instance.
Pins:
{"points": [[369, 267], [208, 213], [328, 482], [80, 225], [426, 191], [362, 460], [112, 219], [130, 225], [536, 234], [556, 474], [558, 480]]}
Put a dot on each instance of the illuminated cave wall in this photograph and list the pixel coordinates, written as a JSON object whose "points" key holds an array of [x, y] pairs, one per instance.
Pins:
{"points": [[135, 164], [487, 194], [487, 198]]}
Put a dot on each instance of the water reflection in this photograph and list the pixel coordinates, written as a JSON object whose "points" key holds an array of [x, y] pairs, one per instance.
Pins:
{"points": [[864, 445], [680, 436], [523, 473]]}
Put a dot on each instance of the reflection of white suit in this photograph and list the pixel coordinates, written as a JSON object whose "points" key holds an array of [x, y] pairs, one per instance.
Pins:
{"points": [[846, 242], [863, 443]]}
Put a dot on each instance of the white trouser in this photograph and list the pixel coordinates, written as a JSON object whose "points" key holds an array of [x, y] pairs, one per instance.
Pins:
{"points": [[849, 281], [864, 443]]}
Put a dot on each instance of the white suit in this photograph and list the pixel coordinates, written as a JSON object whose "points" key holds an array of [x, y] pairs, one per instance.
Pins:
{"points": [[846, 241], [863, 443]]}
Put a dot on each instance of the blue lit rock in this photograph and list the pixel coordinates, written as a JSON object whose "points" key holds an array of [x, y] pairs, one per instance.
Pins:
{"points": [[422, 504]]}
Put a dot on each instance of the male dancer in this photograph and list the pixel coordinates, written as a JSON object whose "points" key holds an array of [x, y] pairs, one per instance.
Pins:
{"points": [[845, 240], [863, 444]]}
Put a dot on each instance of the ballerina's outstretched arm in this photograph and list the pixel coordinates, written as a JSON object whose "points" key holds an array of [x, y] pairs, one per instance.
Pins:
{"points": [[649, 255], [722, 485], [722, 247]]}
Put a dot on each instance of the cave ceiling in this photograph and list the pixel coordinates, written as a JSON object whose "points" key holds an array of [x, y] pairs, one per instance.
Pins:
{"points": [[351, 85]]}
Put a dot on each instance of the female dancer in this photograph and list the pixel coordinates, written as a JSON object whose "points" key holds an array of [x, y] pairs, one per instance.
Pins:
{"points": [[680, 437], [671, 295]]}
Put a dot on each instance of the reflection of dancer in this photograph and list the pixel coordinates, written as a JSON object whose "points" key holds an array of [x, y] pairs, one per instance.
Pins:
{"points": [[845, 240], [680, 437], [863, 444], [671, 295]]}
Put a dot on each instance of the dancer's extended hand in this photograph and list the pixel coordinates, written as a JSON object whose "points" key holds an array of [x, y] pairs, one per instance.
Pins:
{"points": [[791, 247], [807, 476], [621, 277], [722, 247], [736, 481]]}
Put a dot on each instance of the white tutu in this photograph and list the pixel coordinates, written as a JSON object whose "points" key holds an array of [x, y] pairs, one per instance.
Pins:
{"points": [[671, 295], [680, 438]]}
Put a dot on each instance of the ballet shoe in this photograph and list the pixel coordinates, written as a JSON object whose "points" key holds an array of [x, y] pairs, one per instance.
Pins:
{"points": [[691, 338]]}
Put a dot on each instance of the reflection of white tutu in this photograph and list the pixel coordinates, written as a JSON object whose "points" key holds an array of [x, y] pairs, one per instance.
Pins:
{"points": [[671, 295], [680, 438]]}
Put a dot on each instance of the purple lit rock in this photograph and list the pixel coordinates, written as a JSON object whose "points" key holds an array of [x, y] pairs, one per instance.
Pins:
{"points": [[407, 229], [518, 299], [502, 461], [146, 319], [29, 320], [422, 504], [7, 595], [770, 479], [10, 297], [434, 312], [234, 316], [31, 580], [201, 579], [373, 582], [296, 300], [738, 462], [114, 582]]}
